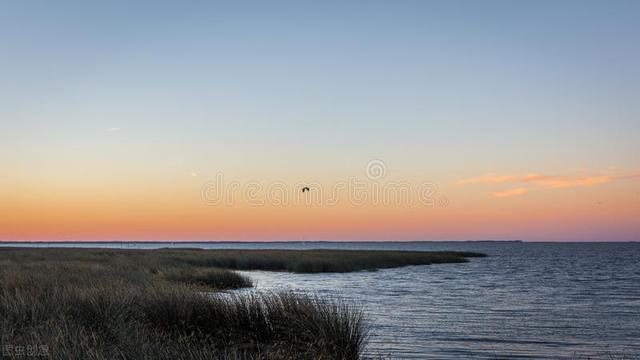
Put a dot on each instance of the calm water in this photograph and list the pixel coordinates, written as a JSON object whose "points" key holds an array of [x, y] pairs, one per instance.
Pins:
{"points": [[526, 300]]}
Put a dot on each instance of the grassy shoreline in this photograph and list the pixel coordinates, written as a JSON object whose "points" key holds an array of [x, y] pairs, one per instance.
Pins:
{"points": [[314, 261], [302, 261], [137, 304]]}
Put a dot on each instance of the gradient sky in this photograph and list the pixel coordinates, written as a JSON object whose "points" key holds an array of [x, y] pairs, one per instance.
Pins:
{"points": [[525, 114]]}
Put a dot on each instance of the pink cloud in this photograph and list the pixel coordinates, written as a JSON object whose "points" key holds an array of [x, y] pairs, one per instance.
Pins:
{"points": [[490, 179], [564, 182], [538, 179], [510, 192]]}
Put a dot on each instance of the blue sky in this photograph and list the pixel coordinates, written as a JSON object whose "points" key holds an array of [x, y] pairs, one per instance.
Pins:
{"points": [[444, 89]]}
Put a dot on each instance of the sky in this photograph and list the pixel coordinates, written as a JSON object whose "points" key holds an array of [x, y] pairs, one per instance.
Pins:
{"points": [[408, 120]]}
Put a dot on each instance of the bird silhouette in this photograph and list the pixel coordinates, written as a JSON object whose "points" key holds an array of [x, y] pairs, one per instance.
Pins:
{"points": [[306, 188]]}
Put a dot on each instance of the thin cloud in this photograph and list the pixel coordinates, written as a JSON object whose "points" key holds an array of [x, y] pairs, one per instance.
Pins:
{"points": [[541, 181], [194, 174], [546, 181], [498, 179], [560, 182], [510, 192], [629, 176], [113, 129]]}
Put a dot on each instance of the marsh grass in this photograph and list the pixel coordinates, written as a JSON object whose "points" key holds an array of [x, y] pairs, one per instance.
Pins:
{"points": [[95, 304], [166, 304], [208, 278], [315, 261]]}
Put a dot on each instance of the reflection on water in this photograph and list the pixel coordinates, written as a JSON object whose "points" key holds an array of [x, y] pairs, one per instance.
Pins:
{"points": [[526, 300]]}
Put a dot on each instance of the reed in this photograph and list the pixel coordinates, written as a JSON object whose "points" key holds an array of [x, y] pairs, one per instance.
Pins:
{"points": [[104, 305]]}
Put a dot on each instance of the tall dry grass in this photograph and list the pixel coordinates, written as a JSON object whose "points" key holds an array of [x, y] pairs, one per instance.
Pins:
{"points": [[94, 304]]}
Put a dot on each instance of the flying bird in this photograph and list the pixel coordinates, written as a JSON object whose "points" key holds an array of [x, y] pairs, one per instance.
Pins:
{"points": [[306, 188]]}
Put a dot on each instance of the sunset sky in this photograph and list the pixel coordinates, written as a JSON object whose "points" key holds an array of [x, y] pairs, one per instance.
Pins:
{"points": [[521, 117]]}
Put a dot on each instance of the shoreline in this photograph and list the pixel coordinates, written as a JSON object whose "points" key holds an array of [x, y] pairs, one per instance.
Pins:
{"points": [[148, 303]]}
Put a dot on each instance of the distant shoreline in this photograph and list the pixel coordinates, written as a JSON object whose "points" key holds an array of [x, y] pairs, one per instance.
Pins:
{"points": [[248, 241], [305, 241]]}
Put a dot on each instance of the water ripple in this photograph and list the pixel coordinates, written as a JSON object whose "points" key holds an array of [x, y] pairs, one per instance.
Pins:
{"points": [[572, 301]]}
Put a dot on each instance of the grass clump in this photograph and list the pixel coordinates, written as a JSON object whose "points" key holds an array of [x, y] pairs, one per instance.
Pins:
{"points": [[209, 278]]}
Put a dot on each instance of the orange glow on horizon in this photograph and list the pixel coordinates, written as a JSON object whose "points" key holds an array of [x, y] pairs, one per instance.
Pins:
{"points": [[178, 213]]}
